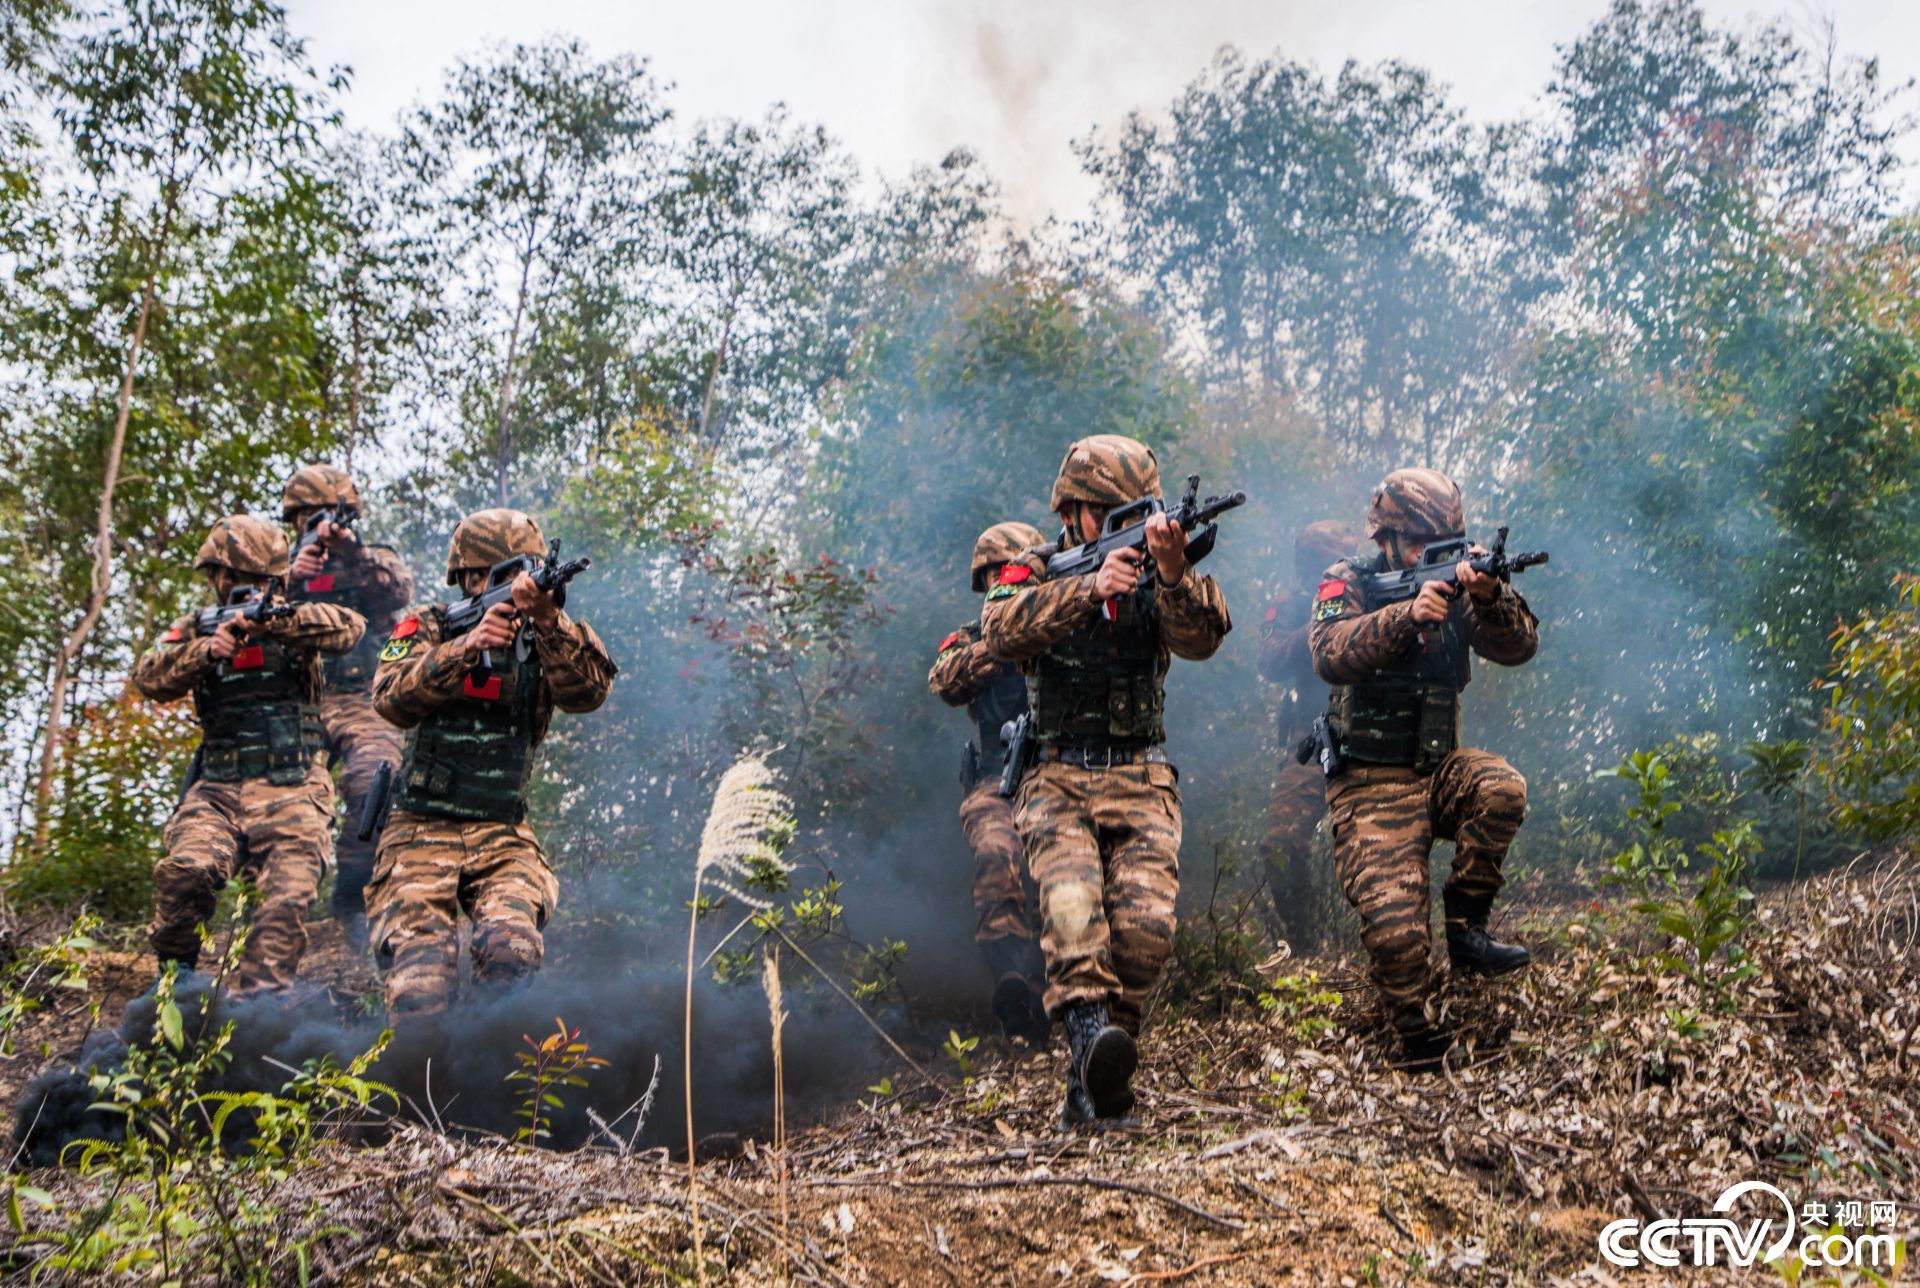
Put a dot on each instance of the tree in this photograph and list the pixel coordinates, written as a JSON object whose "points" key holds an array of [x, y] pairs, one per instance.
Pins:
{"points": [[535, 165], [160, 103]]}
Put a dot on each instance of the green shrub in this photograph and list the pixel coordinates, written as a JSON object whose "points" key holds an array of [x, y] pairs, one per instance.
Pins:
{"points": [[1871, 767]]}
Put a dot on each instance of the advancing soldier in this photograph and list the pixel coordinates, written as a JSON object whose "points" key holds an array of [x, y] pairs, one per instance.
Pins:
{"points": [[374, 582], [1299, 791], [965, 673], [261, 801], [1395, 714], [1100, 808], [457, 839]]}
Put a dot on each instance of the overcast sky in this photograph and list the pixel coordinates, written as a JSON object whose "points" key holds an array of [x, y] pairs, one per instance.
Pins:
{"points": [[902, 82]]}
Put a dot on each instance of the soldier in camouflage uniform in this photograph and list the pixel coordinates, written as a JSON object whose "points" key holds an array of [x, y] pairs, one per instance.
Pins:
{"points": [[374, 582], [457, 839], [262, 802], [1099, 810], [1299, 791], [966, 674], [1397, 672]]}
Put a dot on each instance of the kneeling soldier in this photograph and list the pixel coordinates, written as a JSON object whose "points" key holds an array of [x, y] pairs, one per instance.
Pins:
{"points": [[965, 673], [260, 800], [1398, 670], [1100, 809], [337, 567], [457, 839]]}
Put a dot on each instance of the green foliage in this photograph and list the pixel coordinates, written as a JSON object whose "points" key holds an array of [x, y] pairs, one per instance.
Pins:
{"points": [[960, 1050], [1871, 765], [558, 1059], [1300, 1003], [1706, 920], [30, 977]]}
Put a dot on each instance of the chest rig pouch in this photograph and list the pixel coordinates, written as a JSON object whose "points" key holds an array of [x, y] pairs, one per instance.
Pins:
{"points": [[353, 669], [473, 758], [1407, 713], [1104, 684], [257, 716]]}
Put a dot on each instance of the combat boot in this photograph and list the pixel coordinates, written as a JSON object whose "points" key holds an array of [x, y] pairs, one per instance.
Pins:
{"points": [[1424, 1050], [1469, 946], [1104, 1057], [1016, 1006]]}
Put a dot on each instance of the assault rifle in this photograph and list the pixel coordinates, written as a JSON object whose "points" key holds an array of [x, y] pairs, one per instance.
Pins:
{"points": [[378, 803], [344, 516], [550, 575], [246, 604], [1126, 529], [1437, 563]]}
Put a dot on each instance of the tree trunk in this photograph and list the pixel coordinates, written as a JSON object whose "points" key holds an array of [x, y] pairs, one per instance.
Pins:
{"points": [[504, 426], [355, 378], [719, 360], [69, 650]]}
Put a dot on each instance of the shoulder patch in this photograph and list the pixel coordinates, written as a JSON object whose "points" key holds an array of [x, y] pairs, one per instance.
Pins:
{"points": [[1328, 609], [395, 649], [956, 640], [173, 636], [406, 628], [1014, 573], [1332, 588]]}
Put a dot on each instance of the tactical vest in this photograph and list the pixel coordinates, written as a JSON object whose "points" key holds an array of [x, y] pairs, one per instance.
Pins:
{"points": [[1004, 698], [473, 757], [1408, 712], [353, 669], [1103, 685], [257, 716]]}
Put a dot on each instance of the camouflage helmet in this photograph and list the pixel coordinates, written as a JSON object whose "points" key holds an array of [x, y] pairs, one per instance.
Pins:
{"points": [[487, 537], [1423, 505], [1000, 543], [1320, 545], [317, 487], [1106, 470], [245, 545]]}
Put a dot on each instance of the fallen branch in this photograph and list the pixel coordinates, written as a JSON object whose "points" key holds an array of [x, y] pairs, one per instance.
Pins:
{"points": [[1023, 1182]]}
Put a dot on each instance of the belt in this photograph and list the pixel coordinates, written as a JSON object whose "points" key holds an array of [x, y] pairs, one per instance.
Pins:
{"points": [[1049, 753]]}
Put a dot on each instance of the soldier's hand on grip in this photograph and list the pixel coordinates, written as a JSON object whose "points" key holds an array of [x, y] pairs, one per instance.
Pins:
{"points": [[1433, 603], [535, 602], [495, 631], [310, 562], [1168, 546], [1118, 575], [1481, 585], [227, 639]]}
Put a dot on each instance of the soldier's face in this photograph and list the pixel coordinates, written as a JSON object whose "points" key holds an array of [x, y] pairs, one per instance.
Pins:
{"points": [[1401, 551], [473, 580], [1086, 520]]}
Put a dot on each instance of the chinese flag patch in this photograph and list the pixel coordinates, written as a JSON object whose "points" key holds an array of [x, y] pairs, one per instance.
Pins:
{"points": [[249, 659], [958, 637], [1273, 611], [488, 692], [173, 636], [1014, 573], [320, 585], [406, 628], [1332, 590]]}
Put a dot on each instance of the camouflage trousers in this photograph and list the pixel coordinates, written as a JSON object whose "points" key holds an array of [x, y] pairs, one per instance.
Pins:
{"points": [[1003, 916], [1385, 820], [278, 836], [1104, 847], [359, 741], [1298, 803], [432, 869]]}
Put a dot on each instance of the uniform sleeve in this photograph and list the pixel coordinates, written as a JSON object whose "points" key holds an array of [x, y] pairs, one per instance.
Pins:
{"points": [[325, 628], [1026, 615], [418, 670], [1503, 631], [576, 664], [168, 671], [1193, 616], [962, 667], [388, 581], [1278, 625], [1349, 644]]}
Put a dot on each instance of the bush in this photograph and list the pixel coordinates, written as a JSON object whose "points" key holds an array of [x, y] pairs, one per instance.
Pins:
{"points": [[1871, 769]]}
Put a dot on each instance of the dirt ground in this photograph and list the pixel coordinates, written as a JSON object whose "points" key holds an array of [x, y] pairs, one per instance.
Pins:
{"points": [[1278, 1145]]}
